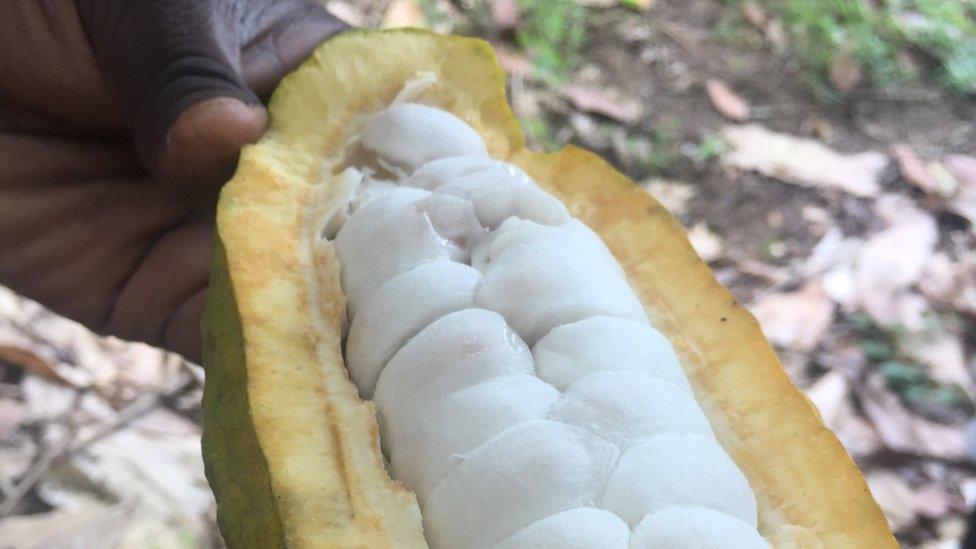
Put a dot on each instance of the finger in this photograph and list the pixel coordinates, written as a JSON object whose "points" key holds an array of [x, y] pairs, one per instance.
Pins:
{"points": [[279, 37], [177, 66], [202, 145], [163, 57], [158, 298], [183, 333]]}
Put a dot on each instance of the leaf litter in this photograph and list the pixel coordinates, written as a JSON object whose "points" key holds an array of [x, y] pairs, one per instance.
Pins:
{"points": [[801, 161], [862, 250]]}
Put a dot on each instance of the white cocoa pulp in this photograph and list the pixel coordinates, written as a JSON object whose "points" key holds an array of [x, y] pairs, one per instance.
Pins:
{"points": [[520, 389]]}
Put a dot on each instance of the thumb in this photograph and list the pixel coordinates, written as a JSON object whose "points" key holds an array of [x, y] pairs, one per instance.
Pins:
{"points": [[176, 65]]}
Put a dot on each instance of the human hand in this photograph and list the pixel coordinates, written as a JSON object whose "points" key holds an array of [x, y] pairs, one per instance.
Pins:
{"points": [[119, 121]]}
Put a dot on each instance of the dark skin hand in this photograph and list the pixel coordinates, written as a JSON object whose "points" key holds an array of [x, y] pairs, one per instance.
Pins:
{"points": [[119, 122]]}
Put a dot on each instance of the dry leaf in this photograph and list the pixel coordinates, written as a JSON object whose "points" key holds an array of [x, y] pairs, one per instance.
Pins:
{"points": [[512, 62], [17, 307], [771, 27], [946, 186], [18, 451], [776, 34], [963, 170], [968, 490], [859, 437], [87, 523], [963, 167], [707, 244], [818, 217], [903, 431], [156, 461], [144, 368], [844, 72], [609, 102], [951, 283], [795, 320], [755, 14], [932, 501], [404, 13], [17, 349], [832, 251], [895, 497], [673, 195], [833, 260], [30, 362], [346, 11], [829, 395], [11, 414], [943, 353], [939, 280], [44, 400], [802, 161], [950, 530], [728, 103], [893, 260], [504, 14], [913, 168]]}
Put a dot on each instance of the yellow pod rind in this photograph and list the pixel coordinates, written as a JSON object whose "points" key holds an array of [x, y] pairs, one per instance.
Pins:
{"points": [[291, 451]]}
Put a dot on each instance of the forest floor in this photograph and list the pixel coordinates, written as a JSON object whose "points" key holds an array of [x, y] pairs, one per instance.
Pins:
{"points": [[839, 206]]}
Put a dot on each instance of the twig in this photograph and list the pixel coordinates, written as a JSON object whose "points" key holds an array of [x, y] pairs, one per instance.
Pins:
{"points": [[888, 457], [68, 446], [907, 95], [35, 473], [142, 405]]}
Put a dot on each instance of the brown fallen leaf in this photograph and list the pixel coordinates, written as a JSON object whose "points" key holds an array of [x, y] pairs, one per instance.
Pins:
{"points": [[673, 195], [833, 260], [950, 282], [404, 14], [829, 395], [771, 27], [22, 357], [347, 12], [963, 170], [895, 497], [858, 436], [45, 400], [504, 14], [905, 432], [609, 102], [946, 186], [795, 320], [154, 460], [18, 453], [145, 368], [87, 522], [728, 103], [706, 243], [844, 72], [963, 167], [893, 260], [932, 501], [775, 32], [913, 168], [950, 530], [944, 355], [754, 14], [513, 62], [11, 414], [802, 162]]}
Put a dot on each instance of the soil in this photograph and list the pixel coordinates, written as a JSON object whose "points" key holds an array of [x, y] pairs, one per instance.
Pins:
{"points": [[664, 57]]}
